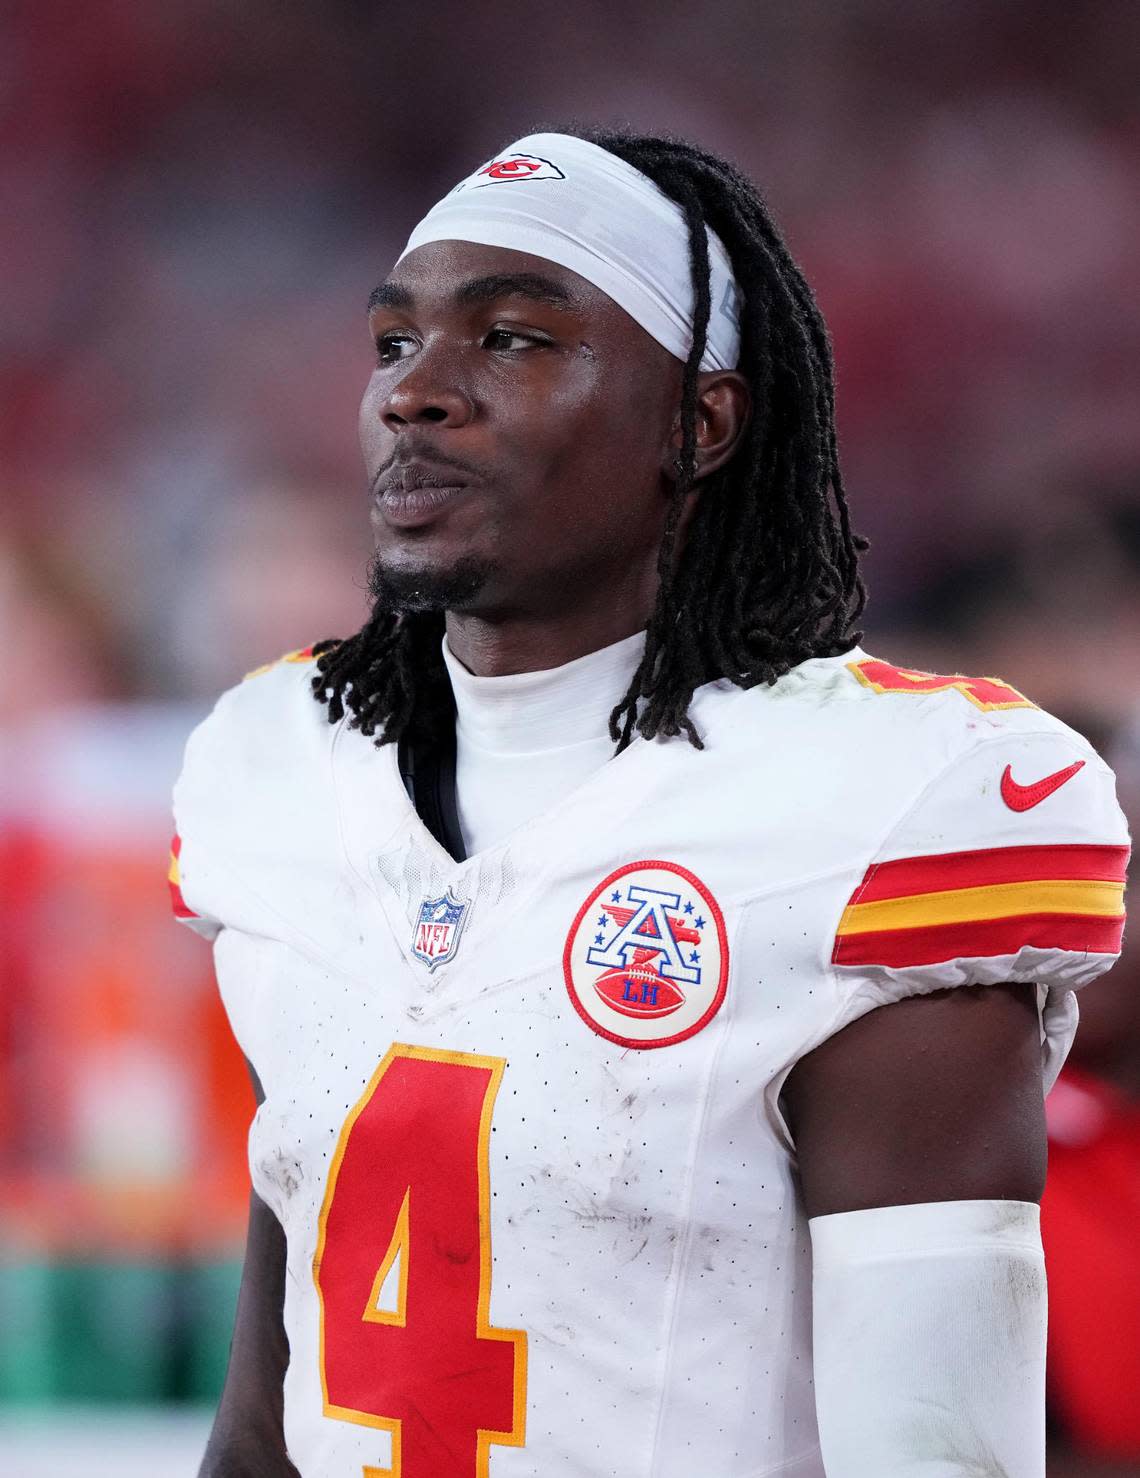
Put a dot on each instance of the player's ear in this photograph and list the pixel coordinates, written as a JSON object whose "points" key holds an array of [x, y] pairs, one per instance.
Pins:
{"points": [[724, 408]]}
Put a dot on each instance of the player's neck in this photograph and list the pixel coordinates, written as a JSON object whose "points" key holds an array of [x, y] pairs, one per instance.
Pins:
{"points": [[502, 648], [527, 713]]}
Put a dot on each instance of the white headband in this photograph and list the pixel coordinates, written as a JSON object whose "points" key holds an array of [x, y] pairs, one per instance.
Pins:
{"points": [[576, 204]]}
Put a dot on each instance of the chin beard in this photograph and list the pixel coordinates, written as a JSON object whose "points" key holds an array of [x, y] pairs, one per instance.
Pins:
{"points": [[410, 590]]}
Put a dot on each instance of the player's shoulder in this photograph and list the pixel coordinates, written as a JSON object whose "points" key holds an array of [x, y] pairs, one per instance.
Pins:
{"points": [[302, 657], [259, 736], [276, 695], [984, 750], [891, 711], [973, 734], [912, 696], [275, 686], [895, 724], [938, 762]]}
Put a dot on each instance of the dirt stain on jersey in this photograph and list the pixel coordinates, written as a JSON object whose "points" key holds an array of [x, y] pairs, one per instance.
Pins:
{"points": [[284, 1171], [941, 1439]]}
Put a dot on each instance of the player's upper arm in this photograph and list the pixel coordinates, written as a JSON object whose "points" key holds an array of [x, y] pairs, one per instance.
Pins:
{"points": [[935, 1098]]}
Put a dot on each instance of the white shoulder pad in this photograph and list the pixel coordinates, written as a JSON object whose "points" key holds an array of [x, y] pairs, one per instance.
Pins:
{"points": [[230, 757], [1009, 867]]}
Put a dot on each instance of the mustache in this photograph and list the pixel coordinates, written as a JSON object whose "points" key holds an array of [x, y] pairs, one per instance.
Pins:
{"points": [[420, 468]]}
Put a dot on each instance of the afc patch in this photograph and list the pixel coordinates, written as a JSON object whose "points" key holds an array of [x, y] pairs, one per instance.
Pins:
{"points": [[438, 929], [646, 959]]}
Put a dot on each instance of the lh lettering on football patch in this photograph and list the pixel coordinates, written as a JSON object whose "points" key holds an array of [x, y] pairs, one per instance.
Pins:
{"points": [[646, 959]]}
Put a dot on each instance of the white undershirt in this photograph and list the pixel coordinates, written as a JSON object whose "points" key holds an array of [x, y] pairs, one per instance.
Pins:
{"points": [[524, 742]]}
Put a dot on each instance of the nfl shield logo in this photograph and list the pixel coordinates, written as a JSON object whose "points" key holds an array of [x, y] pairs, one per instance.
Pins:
{"points": [[437, 931]]}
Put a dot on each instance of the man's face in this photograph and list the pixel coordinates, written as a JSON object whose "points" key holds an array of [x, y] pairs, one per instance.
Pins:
{"points": [[517, 434]]}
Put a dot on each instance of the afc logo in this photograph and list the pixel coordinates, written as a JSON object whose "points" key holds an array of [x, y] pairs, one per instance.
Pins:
{"points": [[646, 960], [648, 931]]}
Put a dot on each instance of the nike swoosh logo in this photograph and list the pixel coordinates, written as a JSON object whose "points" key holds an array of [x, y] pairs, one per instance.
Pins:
{"points": [[1025, 797]]}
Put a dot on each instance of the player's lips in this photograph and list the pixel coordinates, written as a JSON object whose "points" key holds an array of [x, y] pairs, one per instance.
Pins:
{"points": [[406, 508], [413, 493]]}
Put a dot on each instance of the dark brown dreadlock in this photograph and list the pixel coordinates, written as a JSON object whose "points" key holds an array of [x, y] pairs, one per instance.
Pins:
{"points": [[768, 576]]}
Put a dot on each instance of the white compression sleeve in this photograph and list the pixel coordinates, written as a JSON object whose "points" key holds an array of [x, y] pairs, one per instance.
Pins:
{"points": [[929, 1341]]}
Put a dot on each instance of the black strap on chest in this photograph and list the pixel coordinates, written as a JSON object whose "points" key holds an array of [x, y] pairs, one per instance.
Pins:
{"points": [[427, 768]]}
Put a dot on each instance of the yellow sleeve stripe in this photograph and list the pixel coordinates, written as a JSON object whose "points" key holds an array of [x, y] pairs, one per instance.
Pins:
{"points": [[995, 901]]}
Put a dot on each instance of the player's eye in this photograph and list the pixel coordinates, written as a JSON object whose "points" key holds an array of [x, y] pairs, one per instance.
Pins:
{"points": [[511, 339], [390, 348]]}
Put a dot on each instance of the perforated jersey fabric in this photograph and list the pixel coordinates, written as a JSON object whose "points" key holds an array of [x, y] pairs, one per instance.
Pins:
{"points": [[522, 1124]]}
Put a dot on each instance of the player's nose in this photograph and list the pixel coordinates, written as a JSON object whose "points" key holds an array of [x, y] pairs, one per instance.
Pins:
{"points": [[426, 395]]}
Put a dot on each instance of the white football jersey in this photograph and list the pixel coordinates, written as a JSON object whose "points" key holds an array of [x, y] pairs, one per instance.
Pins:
{"points": [[522, 1125]]}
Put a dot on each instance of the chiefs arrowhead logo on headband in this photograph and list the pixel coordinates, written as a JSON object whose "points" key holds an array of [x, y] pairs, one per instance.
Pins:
{"points": [[606, 221], [509, 168]]}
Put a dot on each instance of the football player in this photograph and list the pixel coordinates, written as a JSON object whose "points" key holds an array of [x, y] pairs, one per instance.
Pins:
{"points": [[650, 993]]}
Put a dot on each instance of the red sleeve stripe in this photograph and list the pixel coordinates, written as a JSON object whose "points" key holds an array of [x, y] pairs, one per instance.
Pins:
{"points": [[174, 878], [1081, 934], [179, 905], [911, 875]]}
